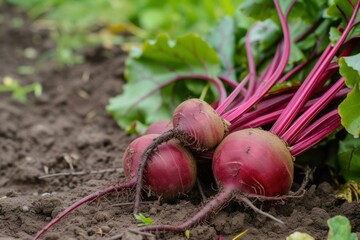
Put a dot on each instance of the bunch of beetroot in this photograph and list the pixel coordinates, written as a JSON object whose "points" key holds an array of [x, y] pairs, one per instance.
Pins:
{"points": [[250, 138]]}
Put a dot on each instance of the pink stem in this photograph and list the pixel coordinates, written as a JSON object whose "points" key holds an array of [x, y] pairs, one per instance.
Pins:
{"points": [[262, 108], [320, 129], [228, 81], [217, 83], [304, 133], [266, 85], [117, 186], [214, 205], [267, 118], [307, 116], [311, 82], [295, 70], [270, 69], [239, 88], [259, 121], [251, 63]]}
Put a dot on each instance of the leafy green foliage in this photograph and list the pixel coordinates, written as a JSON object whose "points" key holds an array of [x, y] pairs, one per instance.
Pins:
{"points": [[340, 229], [349, 108], [145, 221], [334, 35], [222, 39], [339, 9], [18, 92], [262, 17], [151, 69], [150, 94], [349, 158]]}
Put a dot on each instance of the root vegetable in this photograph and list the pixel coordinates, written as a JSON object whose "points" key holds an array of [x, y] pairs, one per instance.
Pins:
{"points": [[254, 161], [159, 127], [250, 161], [196, 125], [170, 172]]}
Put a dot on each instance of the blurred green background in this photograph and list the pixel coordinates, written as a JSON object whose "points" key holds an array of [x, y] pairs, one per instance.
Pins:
{"points": [[75, 25]]}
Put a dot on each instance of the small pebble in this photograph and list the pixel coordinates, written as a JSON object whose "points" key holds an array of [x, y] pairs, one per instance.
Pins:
{"points": [[25, 208], [102, 216], [105, 229]]}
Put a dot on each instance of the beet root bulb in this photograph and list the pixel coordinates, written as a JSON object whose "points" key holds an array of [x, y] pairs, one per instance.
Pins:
{"points": [[254, 161], [199, 126], [159, 127], [170, 172]]}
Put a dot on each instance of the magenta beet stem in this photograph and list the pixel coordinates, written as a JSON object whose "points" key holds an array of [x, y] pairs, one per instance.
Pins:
{"points": [[84, 200], [311, 82], [251, 63], [266, 85], [308, 115], [239, 88], [215, 204], [320, 129]]}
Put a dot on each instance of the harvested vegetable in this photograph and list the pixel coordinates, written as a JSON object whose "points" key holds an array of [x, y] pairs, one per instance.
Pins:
{"points": [[294, 115], [170, 157]]}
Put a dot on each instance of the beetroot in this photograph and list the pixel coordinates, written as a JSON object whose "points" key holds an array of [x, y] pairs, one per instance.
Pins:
{"points": [[250, 161], [254, 161], [159, 127], [198, 125], [257, 163], [170, 172]]}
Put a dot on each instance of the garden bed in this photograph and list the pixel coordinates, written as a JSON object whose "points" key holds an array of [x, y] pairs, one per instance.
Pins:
{"points": [[68, 127]]}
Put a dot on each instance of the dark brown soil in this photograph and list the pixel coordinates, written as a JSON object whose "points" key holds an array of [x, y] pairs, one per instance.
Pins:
{"points": [[68, 127]]}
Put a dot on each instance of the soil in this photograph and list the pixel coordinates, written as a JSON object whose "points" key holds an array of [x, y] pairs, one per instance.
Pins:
{"points": [[67, 128]]}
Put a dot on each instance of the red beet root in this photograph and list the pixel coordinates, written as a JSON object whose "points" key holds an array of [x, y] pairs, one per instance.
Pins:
{"points": [[171, 170], [251, 161], [254, 161], [199, 126], [196, 125], [159, 127]]}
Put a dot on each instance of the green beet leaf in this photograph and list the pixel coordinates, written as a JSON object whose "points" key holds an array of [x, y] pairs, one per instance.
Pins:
{"points": [[350, 69], [334, 35], [152, 92], [349, 108], [340, 229], [338, 8], [349, 158], [222, 39]]}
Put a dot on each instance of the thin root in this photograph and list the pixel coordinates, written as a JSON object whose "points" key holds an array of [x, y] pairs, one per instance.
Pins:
{"points": [[245, 200], [201, 190], [80, 173], [149, 151]]}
